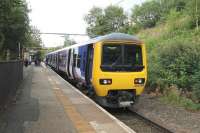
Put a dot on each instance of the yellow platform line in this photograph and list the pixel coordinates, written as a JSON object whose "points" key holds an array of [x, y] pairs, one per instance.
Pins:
{"points": [[81, 125]]}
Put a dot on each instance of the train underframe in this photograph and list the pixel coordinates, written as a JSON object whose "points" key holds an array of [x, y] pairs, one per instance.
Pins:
{"points": [[118, 99]]}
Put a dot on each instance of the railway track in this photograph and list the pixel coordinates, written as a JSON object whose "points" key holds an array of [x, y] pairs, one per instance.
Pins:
{"points": [[158, 126], [137, 122], [134, 120]]}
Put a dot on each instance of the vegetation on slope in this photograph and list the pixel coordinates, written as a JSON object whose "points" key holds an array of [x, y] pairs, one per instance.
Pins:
{"points": [[174, 57]]}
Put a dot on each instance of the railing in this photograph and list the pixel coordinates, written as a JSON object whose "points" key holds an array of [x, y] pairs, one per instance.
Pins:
{"points": [[11, 74]]}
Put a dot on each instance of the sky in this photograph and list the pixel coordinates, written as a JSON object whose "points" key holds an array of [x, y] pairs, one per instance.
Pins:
{"points": [[66, 16]]}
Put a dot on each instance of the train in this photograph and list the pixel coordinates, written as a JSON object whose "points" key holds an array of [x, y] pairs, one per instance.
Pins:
{"points": [[112, 68]]}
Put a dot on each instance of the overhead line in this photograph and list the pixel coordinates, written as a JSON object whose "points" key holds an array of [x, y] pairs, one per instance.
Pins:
{"points": [[65, 34]]}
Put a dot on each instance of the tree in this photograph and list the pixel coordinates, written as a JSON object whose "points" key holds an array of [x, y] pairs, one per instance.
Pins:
{"points": [[151, 12], [193, 9], [33, 37], [39, 55], [95, 22], [116, 19], [111, 19], [197, 14], [68, 41], [14, 27], [146, 15], [167, 5], [14, 24]]}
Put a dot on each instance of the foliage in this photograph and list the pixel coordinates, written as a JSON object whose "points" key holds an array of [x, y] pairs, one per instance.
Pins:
{"points": [[179, 61], [68, 41], [173, 46], [147, 15], [111, 19], [150, 13], [33, 37], [196, 88], [39, 55], [173, 57], [178, 21], [168, 5], [193, 10], [173, 96], [14, 27]]}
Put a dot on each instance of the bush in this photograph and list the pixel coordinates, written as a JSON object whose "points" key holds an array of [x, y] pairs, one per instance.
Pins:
{"points": [[178, 62], [173, 56], [178, 21], [196, 92], [173, 96], [175, 62]]}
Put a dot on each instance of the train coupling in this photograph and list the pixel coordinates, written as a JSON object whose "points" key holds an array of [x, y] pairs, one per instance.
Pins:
{"points": [[126, 104]]}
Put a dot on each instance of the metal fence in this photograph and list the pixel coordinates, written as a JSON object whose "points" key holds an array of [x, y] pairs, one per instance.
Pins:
{"points": [[11, 74]]}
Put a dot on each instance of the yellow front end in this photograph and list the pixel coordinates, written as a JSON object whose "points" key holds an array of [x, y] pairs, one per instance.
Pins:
{"points": [[120, 80]]}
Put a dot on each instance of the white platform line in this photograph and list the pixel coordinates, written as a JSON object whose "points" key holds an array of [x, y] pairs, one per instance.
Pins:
{"points": [[43, 65], [97, 127], [56, 88]]}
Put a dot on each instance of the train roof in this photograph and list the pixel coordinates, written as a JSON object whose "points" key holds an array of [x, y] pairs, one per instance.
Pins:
{"points": [[109, 37], [115, 36]]}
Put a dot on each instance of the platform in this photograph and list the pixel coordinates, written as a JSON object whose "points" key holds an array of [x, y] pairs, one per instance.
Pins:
{"points": [[49, 104]]}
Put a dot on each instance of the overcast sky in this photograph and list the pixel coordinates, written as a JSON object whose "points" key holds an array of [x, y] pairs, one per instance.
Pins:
{"points": [[66, 16]]}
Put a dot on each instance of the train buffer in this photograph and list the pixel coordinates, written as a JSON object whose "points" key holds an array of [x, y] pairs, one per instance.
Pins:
{"points": [[49, 104]]}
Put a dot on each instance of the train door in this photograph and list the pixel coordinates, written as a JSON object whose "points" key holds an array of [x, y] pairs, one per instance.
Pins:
{"points": [[77, 63], [71, 64], [89, 65], [68, 63], [57, 61]]}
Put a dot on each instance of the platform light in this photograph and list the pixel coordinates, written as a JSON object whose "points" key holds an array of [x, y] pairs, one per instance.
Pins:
{"points": [[105, 81], [139, 80]]}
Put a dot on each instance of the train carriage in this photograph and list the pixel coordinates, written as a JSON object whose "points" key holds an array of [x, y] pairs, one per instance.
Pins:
{"points": [[112, 67]]}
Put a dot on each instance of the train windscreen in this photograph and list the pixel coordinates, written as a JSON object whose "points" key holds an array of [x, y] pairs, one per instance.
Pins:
{"points": [[121, 57]]}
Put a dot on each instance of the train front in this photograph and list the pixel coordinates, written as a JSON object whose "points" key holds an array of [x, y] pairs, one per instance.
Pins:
{"points": [[120, 72]]}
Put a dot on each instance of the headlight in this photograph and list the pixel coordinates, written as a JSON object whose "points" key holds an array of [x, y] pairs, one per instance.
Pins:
{"points": [[105, 81], [139, 81]]}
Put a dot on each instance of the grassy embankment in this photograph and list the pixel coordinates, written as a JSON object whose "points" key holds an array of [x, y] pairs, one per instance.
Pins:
{"points": [[174, 60]]}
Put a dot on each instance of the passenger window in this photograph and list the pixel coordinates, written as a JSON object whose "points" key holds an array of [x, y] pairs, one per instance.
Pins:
{"points": [[84, 62], [78, 61], [74, 60]]}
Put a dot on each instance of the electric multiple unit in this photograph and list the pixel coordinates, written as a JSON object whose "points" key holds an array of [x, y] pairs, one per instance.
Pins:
{"points": [[113, 68]]}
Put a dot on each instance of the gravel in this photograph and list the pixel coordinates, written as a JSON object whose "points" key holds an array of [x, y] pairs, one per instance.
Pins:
{"points": [[176, 119]]}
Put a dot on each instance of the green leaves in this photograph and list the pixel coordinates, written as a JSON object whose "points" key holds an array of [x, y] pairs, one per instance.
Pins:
{"points": [[14, 27], [147, 15], [111, 19], [150, 13], [2, 39], [68, 41]]}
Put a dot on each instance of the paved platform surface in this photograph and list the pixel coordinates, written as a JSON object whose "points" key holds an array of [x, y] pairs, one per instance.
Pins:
{"points": [[49, 104]]}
